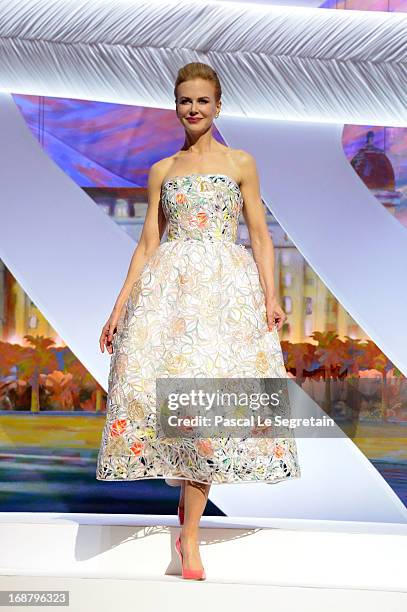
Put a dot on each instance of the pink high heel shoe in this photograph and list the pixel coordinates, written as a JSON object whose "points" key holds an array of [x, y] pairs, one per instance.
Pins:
{"points": [[188, 573], [181, 514]]}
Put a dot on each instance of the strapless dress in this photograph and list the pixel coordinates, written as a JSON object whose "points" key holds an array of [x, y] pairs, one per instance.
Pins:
{"points": [[197, 310]]}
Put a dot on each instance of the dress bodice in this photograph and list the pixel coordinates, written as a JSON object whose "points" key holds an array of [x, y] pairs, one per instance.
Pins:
{"points": [[202, 207]]}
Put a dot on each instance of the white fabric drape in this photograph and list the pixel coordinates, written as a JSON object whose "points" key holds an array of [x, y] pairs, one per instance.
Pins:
{"points": [[274, 61]]}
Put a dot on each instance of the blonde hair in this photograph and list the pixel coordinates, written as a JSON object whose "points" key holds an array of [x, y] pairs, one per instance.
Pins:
{"points": [[198, 70]]}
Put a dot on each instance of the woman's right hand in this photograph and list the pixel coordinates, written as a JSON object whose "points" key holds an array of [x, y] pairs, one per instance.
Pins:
{"points": [[109, 328]]}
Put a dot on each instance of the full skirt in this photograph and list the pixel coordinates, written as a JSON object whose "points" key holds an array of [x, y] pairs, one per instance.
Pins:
{"points": [[197, 310]]}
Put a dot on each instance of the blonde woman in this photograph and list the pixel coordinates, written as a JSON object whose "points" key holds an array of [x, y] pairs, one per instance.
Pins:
{"points": [[197, 305]]}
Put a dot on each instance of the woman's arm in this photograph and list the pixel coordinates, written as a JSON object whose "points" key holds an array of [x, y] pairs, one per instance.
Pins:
{"points": [[260, 239], [153, 230], [255, 217]]}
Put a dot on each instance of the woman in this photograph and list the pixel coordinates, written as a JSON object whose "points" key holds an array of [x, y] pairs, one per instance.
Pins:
{"points": [[197, 305]]}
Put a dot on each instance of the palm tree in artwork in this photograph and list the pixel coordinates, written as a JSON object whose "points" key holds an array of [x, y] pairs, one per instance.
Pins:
{"points": [[329, 352], [38, 360], [380, 362], [85, 382], [62, 389], [354, 362], [299, 357]]}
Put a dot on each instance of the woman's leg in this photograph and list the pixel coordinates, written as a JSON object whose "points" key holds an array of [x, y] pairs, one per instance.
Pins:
{"points": [[182, 495], [195, 498]]}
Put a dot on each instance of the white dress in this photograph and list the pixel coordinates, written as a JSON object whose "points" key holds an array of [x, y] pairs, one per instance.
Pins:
{"points": [[197, 310]]}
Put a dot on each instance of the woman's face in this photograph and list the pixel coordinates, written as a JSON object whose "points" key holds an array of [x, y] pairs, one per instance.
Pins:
{"points": [[196, 105]]}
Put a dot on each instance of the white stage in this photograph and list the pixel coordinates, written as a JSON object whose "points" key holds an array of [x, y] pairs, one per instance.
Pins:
{"points": [[129, 561]]}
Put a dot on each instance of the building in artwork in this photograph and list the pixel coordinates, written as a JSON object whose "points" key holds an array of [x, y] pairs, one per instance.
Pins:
{"points": [[376, 171]]}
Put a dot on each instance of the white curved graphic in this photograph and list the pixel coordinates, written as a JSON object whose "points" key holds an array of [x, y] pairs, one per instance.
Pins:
{"points": [[75, 273]]}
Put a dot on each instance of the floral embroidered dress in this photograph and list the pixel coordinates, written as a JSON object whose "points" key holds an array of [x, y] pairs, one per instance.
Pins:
{"points": [[196, 310]]}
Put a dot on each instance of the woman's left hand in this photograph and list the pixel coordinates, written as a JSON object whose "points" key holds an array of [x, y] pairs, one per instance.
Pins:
{"points": [[275, 314]]}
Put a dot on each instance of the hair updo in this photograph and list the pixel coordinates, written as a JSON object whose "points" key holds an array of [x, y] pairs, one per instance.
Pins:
{"points": [[198, 70]]}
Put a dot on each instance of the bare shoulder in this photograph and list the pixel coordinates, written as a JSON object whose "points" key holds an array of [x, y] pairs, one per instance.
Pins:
{"points": [[244, 158], [158, 171], [246, 163]]}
